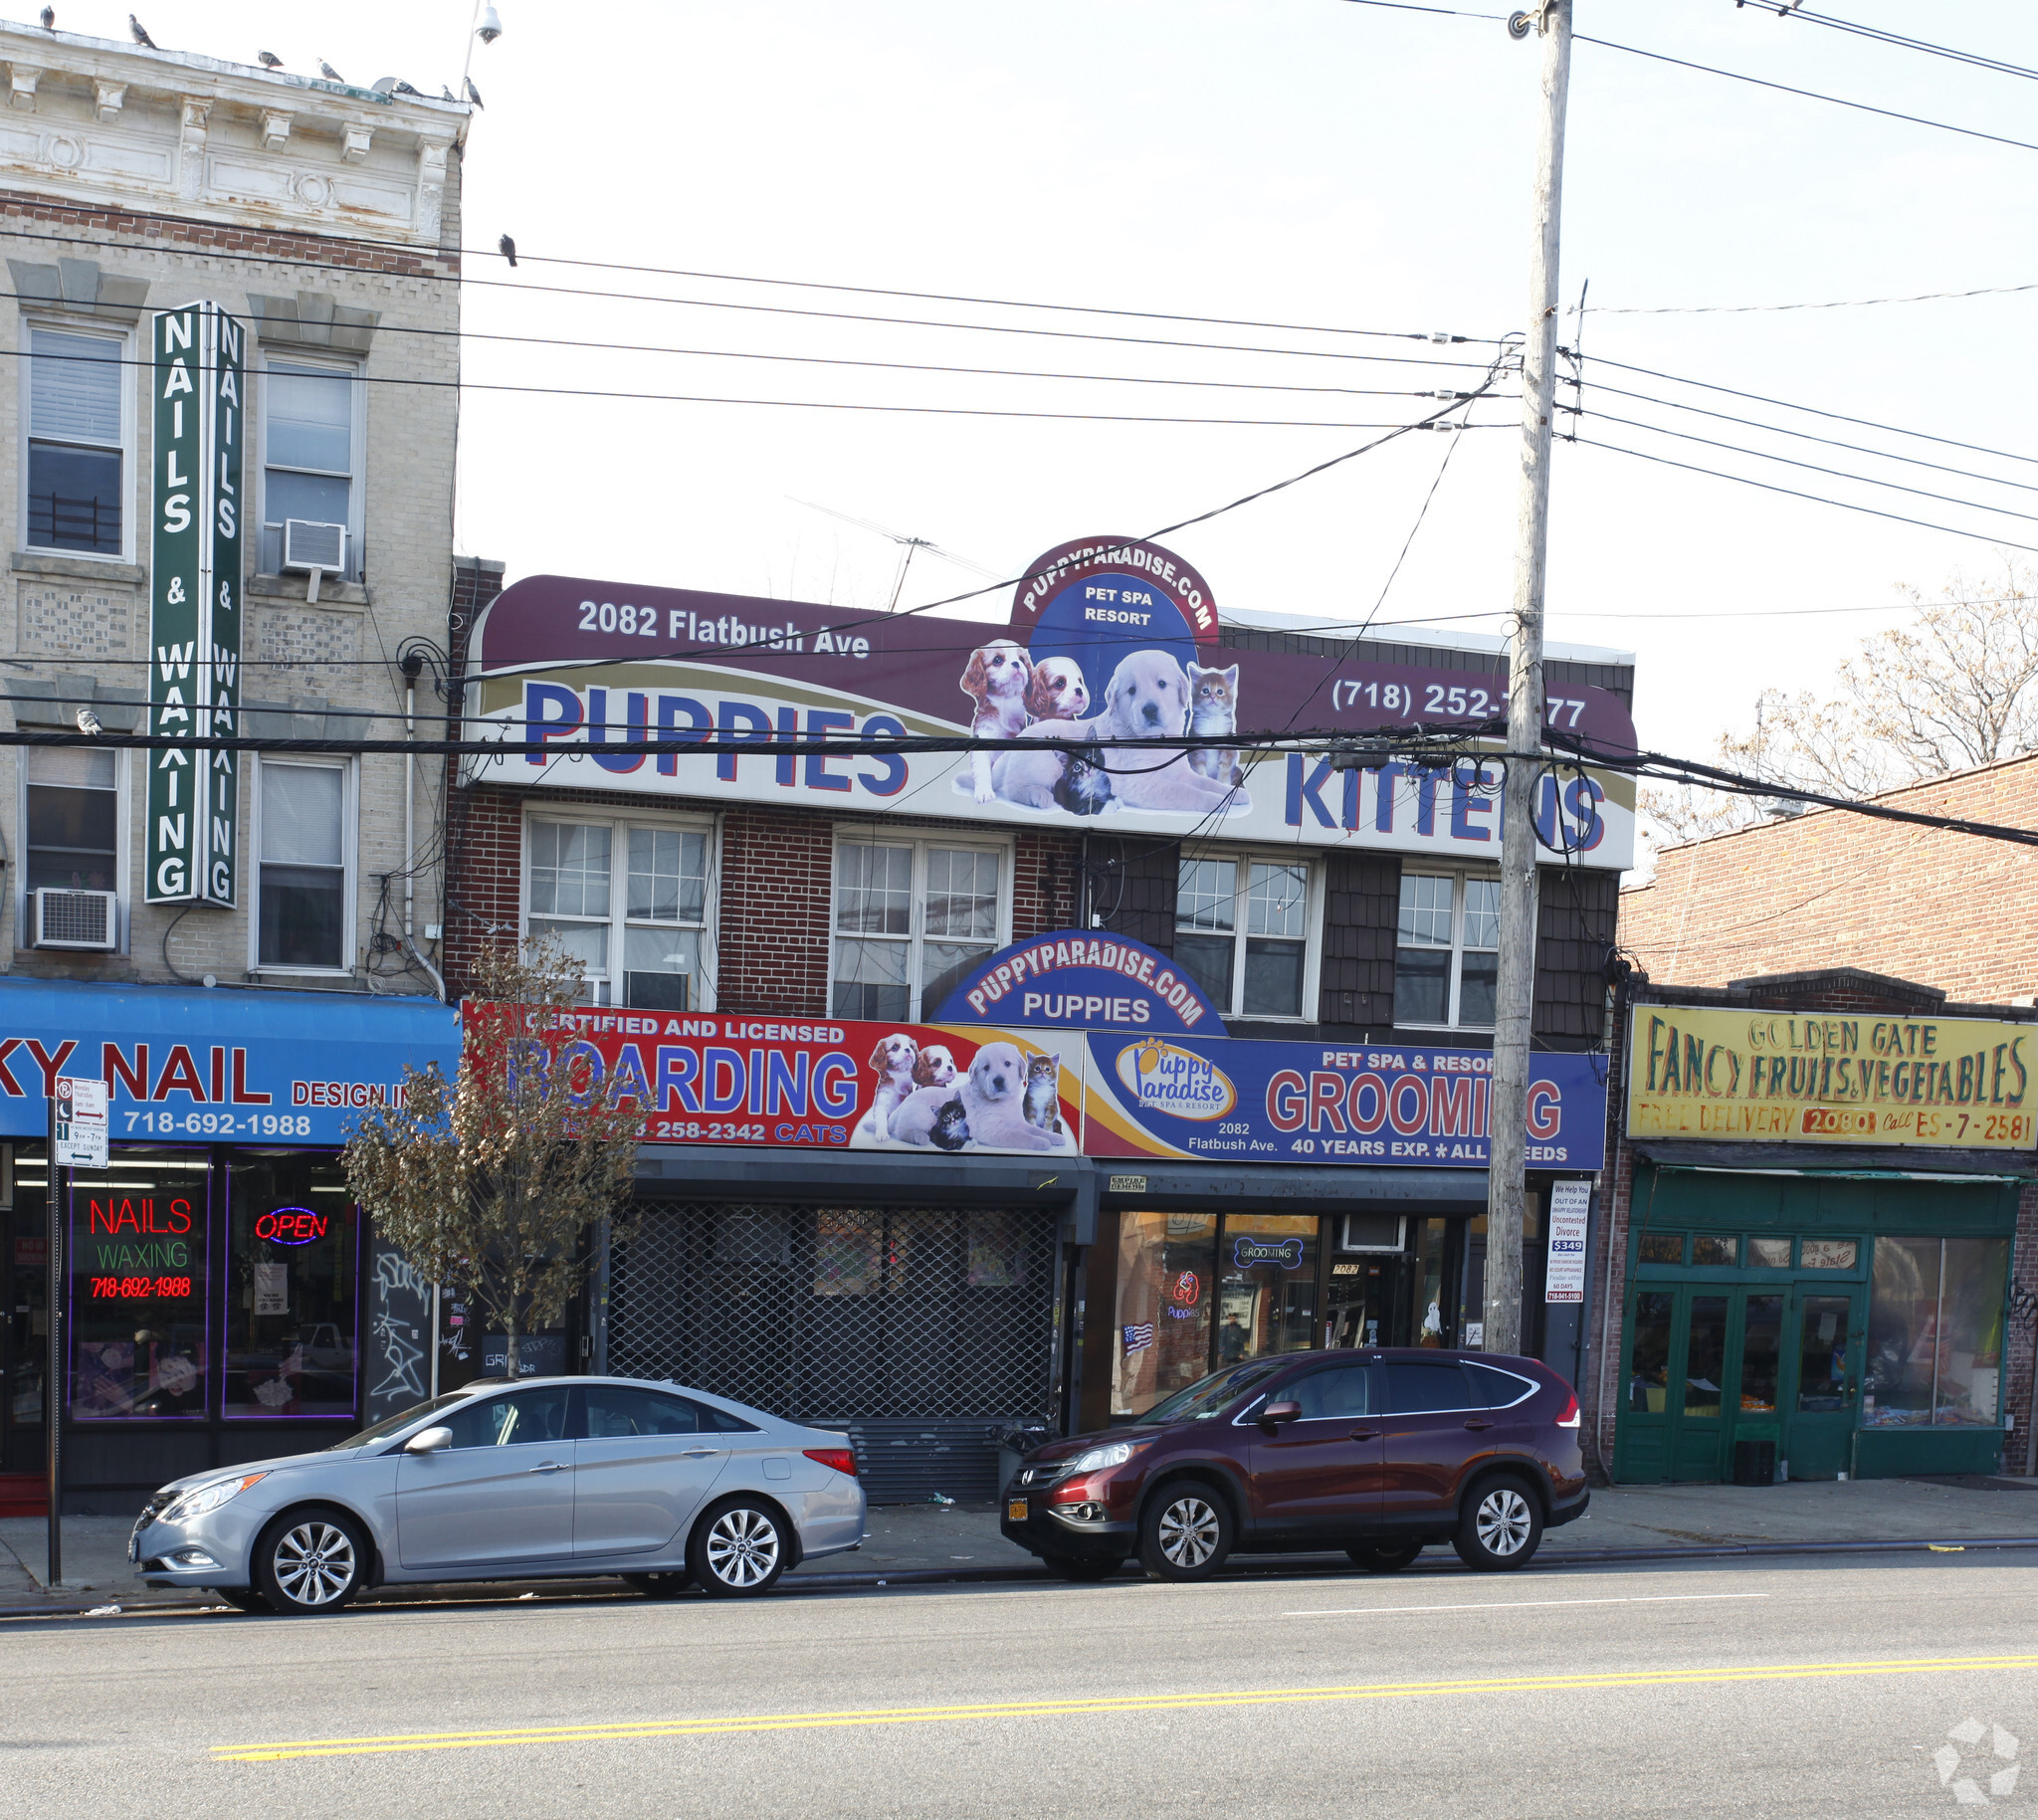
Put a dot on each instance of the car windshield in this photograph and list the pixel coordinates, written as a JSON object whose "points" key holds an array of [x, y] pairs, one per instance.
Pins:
{"points": [[389, 1425], [1205, 1398]]}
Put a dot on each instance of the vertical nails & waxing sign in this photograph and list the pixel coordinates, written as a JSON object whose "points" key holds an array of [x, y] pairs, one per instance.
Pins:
{"points": [[198, 380]]}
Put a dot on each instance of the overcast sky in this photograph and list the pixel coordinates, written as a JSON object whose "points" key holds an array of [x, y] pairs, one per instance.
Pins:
{"points": [[1302, 162]]}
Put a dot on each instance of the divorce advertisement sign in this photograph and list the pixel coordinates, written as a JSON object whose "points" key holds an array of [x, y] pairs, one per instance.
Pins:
{"points": [[1240, 1101], [1109, 640], [807, 1085]]}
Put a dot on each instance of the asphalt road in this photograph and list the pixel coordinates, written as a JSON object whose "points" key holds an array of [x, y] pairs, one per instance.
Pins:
{"points": [[1787, 1687]]}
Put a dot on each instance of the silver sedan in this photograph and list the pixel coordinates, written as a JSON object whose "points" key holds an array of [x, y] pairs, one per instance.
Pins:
{"points": [[579, 1476]]}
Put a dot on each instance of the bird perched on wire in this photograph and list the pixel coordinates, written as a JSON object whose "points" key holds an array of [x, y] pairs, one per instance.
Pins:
{"points": [[49, 18], [140, 32], [508, 248], [472, 94], [88, 722], [329, 73], [269, 59]]}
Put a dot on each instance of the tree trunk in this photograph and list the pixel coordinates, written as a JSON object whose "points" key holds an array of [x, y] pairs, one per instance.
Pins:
{"points": [[510, 1342]]}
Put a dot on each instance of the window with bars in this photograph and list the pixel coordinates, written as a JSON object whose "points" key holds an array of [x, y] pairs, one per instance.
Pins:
{"points": [[1447, 950], [76, 442], [629, 902], [911, 918], [1242, 933]]}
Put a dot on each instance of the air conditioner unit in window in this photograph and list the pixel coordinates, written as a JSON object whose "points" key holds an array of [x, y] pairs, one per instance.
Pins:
{"points": [[77, 918], [318, 548]]}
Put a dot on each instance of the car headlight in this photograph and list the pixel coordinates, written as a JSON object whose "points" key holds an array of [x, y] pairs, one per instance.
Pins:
{"points": [[203, 1498], [1095, 1459]]}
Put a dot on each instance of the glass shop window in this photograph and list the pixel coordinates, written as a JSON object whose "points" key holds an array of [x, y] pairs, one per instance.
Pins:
{"points": [[1166, 1280], [1935, 1334], [138, 1331], [1267, 1285], [292, 1266]]}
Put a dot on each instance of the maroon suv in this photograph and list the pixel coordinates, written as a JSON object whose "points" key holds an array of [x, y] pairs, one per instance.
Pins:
{"points": [[1376, 1452]]}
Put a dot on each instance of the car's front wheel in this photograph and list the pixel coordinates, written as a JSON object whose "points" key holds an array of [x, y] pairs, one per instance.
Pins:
{"points": [[738, 1549], [311, 1562], [1385, 1559], [1501, 1526], [1186, 1532]]}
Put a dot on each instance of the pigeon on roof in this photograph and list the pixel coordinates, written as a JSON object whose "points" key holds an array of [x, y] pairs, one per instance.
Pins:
{"points": [[472, 94], [49, 18], [269, 59], [140, 32], [402, 87], [329, 73]]}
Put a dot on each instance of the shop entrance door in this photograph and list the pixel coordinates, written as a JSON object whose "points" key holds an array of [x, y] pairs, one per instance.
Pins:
{"points": [[1824, 1391], [1704, 1361]]}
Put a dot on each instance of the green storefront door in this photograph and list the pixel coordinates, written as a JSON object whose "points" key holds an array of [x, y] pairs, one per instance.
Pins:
{"points": [[1825, 1379], [1686, 1362]]}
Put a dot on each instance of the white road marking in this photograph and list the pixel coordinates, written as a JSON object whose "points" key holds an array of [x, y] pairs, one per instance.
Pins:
{"points": [[1660, 1598]]}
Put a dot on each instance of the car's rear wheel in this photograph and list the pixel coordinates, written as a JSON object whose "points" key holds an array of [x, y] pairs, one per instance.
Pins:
{"points": [[660, 1585], [243, 1598], [1081, 1568], [1501, 1526], [1186, 1532], [739, 1549], [311, 1562], [1385, 1559]]}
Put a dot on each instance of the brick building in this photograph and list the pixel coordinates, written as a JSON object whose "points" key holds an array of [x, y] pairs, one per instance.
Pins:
{"points": [[276, 257], [1346, 922], [1831, 889]]}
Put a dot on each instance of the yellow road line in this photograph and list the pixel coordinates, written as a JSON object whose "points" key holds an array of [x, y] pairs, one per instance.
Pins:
{"points": [[1103, 1704]]}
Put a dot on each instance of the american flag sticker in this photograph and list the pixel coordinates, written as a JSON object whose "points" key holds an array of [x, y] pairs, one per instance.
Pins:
{"points": [[1138, 1339]]}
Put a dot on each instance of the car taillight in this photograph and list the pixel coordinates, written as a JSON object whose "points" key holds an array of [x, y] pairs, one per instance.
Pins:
{"points": [[1570, 1418], [842, 1459]]}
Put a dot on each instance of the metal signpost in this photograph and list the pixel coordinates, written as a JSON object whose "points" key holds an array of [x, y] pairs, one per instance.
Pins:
{"points": [[78, 1140]]}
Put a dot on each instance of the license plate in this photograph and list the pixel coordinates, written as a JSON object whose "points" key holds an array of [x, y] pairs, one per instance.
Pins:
{"points": [[1015, 1512]]}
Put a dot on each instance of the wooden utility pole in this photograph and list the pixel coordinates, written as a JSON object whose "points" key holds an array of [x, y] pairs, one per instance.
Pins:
{"points": [[1509, 1116]]}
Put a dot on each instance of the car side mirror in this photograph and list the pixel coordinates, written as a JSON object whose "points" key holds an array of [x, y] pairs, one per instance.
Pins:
{"points": [[429, 1441], [1276, 1413]]}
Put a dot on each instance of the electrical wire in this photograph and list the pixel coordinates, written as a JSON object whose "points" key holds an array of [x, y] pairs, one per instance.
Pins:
{"points": [[1838, 474], [1888, 113], [1753, 423], [1896, 518], [1859, 30], [1858, 302]]}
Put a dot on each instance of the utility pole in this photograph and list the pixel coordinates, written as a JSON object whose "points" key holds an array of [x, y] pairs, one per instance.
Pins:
{"points": [[1507, 1118]]}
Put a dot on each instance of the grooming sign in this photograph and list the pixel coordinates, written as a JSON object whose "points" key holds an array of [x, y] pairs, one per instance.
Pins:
{"points": [[1110, 640]]}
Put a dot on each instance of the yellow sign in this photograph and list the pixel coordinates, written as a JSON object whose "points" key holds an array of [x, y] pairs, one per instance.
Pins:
{"points": [[1767, 1077]]}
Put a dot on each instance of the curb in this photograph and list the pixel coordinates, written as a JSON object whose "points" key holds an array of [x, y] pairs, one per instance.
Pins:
{"points": [[1265, 1566]]}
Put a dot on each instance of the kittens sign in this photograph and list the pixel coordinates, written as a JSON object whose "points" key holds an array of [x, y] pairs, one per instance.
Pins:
{"points": [[839, 1086], [1110, 640]]}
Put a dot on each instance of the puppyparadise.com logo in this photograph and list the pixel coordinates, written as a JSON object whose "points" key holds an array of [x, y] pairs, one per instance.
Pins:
{"points": [[1977, 1764]]}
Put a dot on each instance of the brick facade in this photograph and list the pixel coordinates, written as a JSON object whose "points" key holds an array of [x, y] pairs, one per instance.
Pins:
{"points": [[1834, 888]]}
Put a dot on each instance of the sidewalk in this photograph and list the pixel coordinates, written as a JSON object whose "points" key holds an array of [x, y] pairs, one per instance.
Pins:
{"points": [[962, 1541]]}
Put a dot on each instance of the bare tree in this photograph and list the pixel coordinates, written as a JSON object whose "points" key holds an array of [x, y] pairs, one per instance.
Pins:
{"points": [[1954, 689], [497, 1180]]}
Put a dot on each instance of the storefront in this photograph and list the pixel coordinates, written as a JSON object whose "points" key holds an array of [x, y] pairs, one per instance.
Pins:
{"points": [[220, 1296], [1817, 1243]]}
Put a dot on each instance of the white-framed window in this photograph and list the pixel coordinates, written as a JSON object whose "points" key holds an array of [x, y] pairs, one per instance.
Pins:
{"points": [[312, 432], [304, 845], [1446, 942], [1244, 928], [911, 918], [73, 820], [80, 426], [631, 899]]}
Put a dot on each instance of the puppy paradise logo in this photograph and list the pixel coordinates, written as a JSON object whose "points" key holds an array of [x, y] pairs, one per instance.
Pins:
{"points": [[1164, 1078]]}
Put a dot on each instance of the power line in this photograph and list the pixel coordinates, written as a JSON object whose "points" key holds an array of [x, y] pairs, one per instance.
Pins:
{"points": [[1838, 474], [1812, 410], [1858, 302], [1753, 423], [1888, 113], [1816, 498], [1857, 29]]}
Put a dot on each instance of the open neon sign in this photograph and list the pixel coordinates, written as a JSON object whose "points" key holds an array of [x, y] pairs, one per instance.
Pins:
{"points": [[291, 1226]]}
